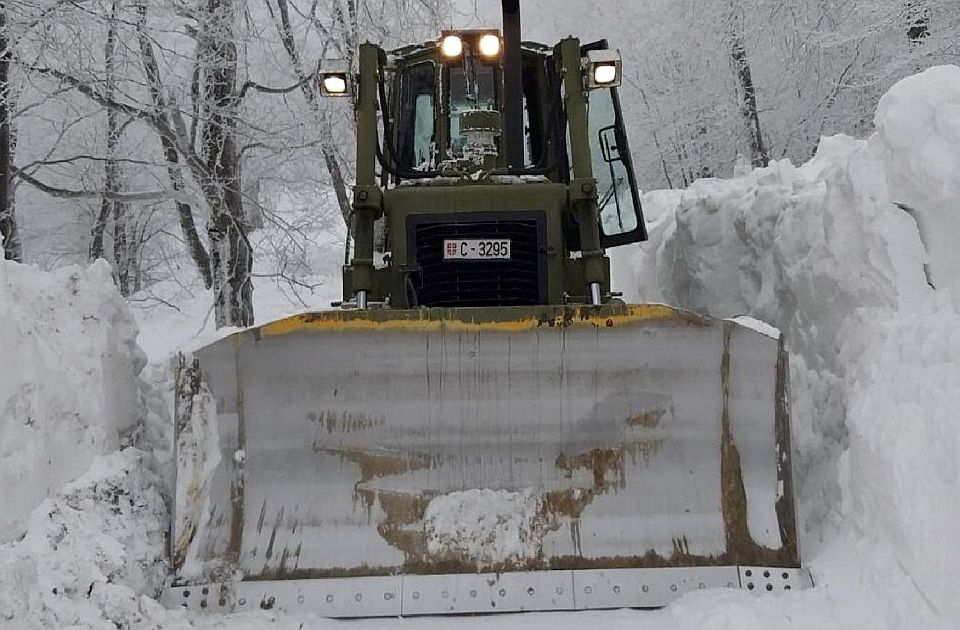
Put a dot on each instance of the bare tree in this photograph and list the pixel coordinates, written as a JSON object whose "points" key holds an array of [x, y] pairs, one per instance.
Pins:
{"points": [[231, 254], [8, 219], [108, 204], [310, 94], [195, 247], [745, 86]]}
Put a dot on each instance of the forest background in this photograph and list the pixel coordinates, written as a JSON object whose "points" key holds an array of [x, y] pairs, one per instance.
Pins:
{"points": [[185, 141]]}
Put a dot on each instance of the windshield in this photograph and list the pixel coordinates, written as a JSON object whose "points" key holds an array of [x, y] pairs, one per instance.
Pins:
{"points": [[465, 97]]}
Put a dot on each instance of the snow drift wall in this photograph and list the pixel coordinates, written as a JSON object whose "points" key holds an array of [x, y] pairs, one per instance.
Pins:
{"points": [[831, 253], [918, 141], [68, 388]]}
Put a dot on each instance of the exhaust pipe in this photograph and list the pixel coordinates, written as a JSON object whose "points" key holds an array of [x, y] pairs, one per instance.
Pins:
{"points": [[512, 84]]}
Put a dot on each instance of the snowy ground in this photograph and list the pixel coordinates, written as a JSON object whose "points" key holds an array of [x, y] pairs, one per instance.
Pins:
{"points": [[841, 253]]}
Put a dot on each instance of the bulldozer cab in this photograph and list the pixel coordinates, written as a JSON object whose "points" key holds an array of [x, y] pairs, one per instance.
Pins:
{"points": [[430, 96], [490, 172]]}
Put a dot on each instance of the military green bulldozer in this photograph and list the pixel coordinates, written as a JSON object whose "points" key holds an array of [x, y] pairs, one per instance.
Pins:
{"points": [[482, 425]]}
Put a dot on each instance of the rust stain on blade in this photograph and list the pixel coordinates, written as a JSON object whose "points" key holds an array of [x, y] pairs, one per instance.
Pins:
{"points": [[604, 461], [273, 534], [403, 526], [283, 573], [648, 419], [570, 503], [650, 560], [786, 514], [377, 464], [741, 548]]}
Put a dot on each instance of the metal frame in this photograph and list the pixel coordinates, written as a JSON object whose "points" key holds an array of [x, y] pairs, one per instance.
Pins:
{"points": [[413, 595]]}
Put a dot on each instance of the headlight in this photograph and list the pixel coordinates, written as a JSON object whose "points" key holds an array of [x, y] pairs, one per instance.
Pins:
{"points": [[335, 78], [334, 84], [451, 46], [605, 74], [602, 69], [489, 45]]}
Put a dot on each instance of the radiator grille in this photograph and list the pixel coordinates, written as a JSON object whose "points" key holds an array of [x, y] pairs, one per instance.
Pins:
{"points": [[452, 283]]}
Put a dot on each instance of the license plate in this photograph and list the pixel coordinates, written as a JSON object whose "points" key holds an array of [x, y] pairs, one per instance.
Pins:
{"points": [[476, 249]]}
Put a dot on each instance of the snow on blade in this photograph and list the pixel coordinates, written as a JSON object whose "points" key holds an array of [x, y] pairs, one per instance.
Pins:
{"points": [[490, 527], [758, 326]]}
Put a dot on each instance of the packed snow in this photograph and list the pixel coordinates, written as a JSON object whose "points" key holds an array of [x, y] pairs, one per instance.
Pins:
{"points": [[68, 387], [491, 527], [918, 141], [842, 254], [94, 554]]}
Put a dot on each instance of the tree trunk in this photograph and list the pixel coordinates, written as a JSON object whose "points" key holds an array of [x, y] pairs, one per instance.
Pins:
{"points": [[310, 94], [745, 87], [231, 255], [110, 208], [8, 218], [121, 246], [198, 253], [188, 228], [918, 22]]}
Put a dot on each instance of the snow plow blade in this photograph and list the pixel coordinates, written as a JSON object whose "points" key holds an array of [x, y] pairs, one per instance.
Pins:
{"points": [[364, 463]]}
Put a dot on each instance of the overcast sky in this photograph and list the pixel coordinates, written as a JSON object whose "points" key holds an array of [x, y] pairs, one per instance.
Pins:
{"points": [[545, 21]]}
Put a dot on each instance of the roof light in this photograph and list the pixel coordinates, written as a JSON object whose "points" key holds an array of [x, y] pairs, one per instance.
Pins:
{"points": [[451, 46], [334, 85], [489, 45], [603, 69], [605, 73], [335, 78]]}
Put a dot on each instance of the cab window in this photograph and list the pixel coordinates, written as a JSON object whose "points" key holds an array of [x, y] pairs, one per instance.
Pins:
{"points": [[465, 97], [416, 132], [621, 219]]}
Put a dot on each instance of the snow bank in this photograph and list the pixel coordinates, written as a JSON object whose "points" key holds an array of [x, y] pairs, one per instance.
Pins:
{"points": [[901, 475], [801, 249], [918, 139], [827, 253], [68, 388], [93, 556]]}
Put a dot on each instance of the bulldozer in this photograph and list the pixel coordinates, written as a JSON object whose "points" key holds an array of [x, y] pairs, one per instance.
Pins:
{"points": [[483, 425]]}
